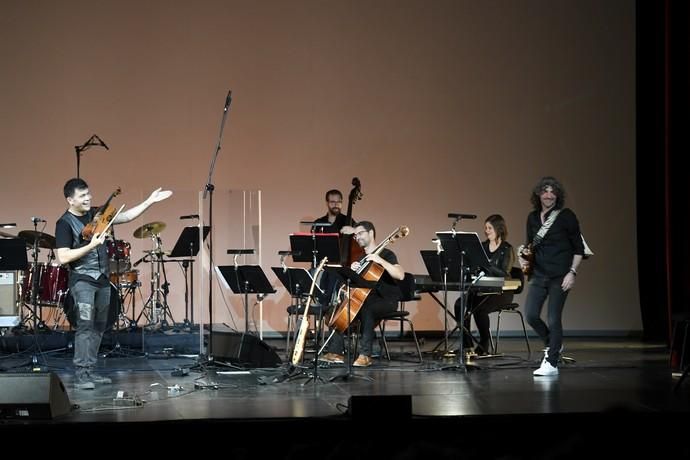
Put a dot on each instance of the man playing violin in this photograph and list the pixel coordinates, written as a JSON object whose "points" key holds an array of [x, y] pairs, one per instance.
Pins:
{"points": [[381, 300], [89, 283]]}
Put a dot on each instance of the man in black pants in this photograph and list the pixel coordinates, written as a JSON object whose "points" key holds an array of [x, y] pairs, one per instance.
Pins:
{"points": [[380, 300], [89, 283], [556, 253]]}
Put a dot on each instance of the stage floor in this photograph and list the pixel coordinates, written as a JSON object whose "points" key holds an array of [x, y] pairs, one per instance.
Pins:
{"points": [[624, 377]]}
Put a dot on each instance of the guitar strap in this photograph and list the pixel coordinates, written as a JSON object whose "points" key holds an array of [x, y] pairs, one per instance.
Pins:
{"points": [[545, 227]]}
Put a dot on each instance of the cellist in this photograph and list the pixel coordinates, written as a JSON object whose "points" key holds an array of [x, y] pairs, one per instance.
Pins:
{"points": [[381, 300], [89, 283]]}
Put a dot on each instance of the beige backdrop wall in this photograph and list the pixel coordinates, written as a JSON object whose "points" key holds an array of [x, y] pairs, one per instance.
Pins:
{"points": [[437, 106]]}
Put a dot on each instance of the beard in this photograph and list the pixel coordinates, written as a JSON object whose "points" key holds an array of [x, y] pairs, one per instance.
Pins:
{"points": [[334, 211]]}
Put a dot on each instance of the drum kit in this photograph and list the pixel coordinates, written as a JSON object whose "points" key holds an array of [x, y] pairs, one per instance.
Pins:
{"points": [[45, 284]]}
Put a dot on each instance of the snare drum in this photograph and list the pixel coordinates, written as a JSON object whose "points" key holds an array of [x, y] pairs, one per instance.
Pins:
{"points": [[118, 255], [127, 279], [51, 282]]}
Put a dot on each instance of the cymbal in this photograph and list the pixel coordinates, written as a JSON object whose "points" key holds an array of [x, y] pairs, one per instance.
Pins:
{"points": [[150, 229], [7, 235], [42, 239]]}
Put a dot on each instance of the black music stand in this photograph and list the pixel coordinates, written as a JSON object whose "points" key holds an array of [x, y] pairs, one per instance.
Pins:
{"points": [[246, 279], [351, 280], [187, 246], [442, 271], [312, 247], [465, 250], [296, 280], [13, 254]]}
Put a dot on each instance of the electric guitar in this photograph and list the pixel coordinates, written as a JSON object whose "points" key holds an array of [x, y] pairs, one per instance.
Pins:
{"points": [[525, 251], [298, 351]]}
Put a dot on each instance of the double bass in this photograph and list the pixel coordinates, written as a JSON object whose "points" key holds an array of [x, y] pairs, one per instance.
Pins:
{"points": [[350, 251], [370, 271]]}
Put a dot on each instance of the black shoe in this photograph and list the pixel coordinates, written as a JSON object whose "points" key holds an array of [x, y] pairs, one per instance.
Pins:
{"points": [[483, 349]]}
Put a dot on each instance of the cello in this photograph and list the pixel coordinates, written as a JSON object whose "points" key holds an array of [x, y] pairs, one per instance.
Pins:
{"points": [[370, 271], [349, 251]]}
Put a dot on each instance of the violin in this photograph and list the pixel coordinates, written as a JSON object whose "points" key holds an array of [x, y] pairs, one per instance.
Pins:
{"points": [[102, 219]]}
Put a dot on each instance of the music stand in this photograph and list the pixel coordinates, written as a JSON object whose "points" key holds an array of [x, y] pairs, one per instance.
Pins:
{"points": [[187, 245], [441, 272], [465, 250], [352, 280], [246, 279], [13, 254], [312, 247]]}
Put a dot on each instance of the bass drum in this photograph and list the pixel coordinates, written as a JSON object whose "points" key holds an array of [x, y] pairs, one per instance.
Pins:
{"points": [[113, 311]]}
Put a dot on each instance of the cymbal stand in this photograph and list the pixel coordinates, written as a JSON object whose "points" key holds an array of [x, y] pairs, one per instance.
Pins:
{"points": [[157, 301], [36, 312], [118, 350]]}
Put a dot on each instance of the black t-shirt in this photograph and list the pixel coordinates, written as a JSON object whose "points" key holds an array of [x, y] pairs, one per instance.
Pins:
{"points": [[554, 255], [63, 239], [337, 225], [387, 287]]}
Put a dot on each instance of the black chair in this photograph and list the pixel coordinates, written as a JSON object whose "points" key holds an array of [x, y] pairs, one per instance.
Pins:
{"points": [[512, 307], [408, 289]]}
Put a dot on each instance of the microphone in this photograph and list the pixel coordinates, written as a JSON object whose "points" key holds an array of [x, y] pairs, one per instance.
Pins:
{"points": [[100, 142], [36, 220], [228, 100], [453, 215], [189, 216]]}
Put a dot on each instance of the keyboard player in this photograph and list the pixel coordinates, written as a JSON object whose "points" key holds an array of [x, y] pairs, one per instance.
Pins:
{"points": [[480, 304]]}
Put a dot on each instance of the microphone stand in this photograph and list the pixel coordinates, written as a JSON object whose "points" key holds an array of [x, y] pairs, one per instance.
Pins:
{"points": [[92, 141], [208, 190]]}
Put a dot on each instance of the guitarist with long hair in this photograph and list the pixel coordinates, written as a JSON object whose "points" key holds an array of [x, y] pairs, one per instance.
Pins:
{"points": [[381, 300], [553, 234]]}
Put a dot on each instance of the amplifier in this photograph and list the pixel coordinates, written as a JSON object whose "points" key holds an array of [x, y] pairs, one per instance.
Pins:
{"points": [[8, 299]]}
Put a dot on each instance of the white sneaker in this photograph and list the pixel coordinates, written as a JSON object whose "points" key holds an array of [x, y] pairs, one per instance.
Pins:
{"points": [[546, 369]]}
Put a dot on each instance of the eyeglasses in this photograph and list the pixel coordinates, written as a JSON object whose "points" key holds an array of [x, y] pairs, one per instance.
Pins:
{"points": [[361, 232], [335, 202]]}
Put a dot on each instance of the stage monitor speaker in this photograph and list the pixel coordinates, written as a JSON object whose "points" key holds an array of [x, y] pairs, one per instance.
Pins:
{"points": [[376, 407], [244, 350], [37, 395]]}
